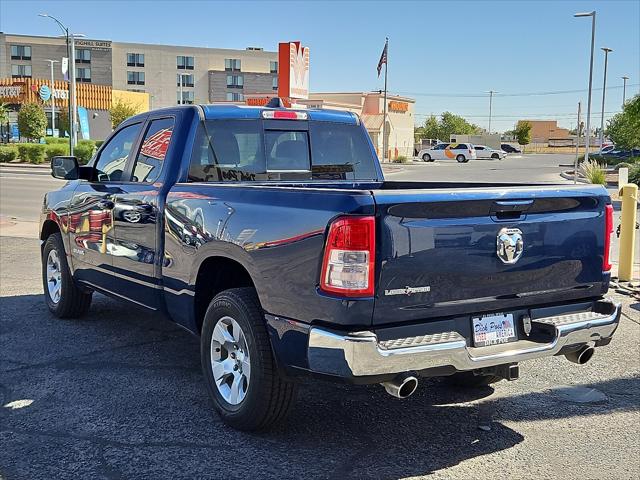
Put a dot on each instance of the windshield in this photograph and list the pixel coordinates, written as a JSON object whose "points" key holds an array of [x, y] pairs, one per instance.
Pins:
{"points": [[250, 150]]}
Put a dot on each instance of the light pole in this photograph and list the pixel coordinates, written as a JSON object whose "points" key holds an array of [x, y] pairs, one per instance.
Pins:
{"points": [[593, 40], [624, 89], [490, 92], [604, 91], [53, 101], [71, 52]]}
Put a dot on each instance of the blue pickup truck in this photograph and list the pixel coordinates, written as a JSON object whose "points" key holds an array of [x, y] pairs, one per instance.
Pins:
{"points": [[272, 234]]}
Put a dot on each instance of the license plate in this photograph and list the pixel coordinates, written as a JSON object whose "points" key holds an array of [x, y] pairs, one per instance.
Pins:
{"points": [[493, 329]]}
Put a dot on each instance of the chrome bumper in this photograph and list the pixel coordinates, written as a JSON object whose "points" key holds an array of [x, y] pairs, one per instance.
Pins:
{"points": [[361, 353]]}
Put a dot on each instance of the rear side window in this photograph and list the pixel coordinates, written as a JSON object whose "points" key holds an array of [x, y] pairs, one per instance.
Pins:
{"points": [[242, 150], [153, 151], [460, 146]]}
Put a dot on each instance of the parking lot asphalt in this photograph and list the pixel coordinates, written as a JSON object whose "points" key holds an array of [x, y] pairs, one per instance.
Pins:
{"points": [[119, 394]]}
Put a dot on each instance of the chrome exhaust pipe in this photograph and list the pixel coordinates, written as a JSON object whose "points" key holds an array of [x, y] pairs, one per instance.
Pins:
{"points": [[581, 356], [402, 386]]}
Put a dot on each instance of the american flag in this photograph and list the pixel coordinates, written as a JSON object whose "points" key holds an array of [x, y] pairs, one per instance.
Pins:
{"points": [[383, 57]]}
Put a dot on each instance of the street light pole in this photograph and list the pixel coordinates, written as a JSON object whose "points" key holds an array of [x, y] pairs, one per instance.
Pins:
{"points": [[72, 81], [181, 93], [491, 92], [624, 89], [604, 91], [593, 40], [53, 100]]}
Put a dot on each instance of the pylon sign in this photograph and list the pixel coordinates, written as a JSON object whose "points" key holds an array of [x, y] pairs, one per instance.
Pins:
{"points": [[293, 70]]}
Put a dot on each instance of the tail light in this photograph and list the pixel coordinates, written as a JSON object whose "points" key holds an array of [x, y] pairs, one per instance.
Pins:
{"points": [[608, 230], [349, 257], [284, 115]]}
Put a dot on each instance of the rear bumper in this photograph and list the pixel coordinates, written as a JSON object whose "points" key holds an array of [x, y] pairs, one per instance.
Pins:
{"points": [[359, 354]]}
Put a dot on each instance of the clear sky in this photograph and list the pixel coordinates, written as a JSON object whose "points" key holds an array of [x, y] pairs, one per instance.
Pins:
{"points": [[445, 54]]}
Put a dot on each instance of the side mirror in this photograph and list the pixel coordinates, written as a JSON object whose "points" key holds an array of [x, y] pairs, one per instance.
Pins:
{"points": [[65, 168]]}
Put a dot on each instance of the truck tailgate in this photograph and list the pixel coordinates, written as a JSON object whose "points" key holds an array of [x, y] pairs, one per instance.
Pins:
{"points": [[438, 249]]}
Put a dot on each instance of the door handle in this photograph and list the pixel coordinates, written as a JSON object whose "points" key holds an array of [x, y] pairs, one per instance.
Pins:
{"points": [[106, 204]]}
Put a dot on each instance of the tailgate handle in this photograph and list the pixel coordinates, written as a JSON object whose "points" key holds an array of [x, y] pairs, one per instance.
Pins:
{"points": [[510, 209]]}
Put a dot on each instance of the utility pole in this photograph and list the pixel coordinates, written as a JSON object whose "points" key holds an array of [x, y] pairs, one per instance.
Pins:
{"points": [[604, 91], [491, 92], [53, 100], [593, 40], [385, 145], [575, 163], [624, 89]]}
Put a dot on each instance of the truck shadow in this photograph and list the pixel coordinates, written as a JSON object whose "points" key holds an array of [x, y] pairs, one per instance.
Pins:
{"points": [[121, 394]]}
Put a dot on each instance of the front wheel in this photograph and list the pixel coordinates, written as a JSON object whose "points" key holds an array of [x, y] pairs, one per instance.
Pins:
{"points": [[238, 366], [63, 297], [426, 157], [495, 156], [461, 159]]}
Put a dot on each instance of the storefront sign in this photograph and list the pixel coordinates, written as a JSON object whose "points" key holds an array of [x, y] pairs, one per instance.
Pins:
{"points": [[44, 92], [293, 82], [83, 118], [10, 91], [262, 101], [396, 106]]}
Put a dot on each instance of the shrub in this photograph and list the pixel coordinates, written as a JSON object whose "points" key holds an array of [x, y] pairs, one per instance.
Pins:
{"points": [[8, 154], [622, 165], [84, 151], [35, 153], [400, 159], [32, 121], [87, 142], [55, 140], [99, 143], [23, 152], [634, 174], [594, 172], [56, 150]]}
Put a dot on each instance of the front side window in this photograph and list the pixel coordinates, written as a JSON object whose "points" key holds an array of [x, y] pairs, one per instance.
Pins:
{"points": [[153, 151], [135, 78], [83, 55], [440, 146], [83, 74], [184, 62], [20, 52], [18, 71], [113, 157]]}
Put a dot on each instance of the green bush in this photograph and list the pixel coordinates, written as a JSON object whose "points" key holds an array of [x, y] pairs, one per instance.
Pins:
{"points": [[35, 153], [99, 143], [56, 150], [8, 154], [400, 159], [622, 165], [634, 174], [55, 140], [23, 152], [87, 142], [84, 151], [594, 172]]}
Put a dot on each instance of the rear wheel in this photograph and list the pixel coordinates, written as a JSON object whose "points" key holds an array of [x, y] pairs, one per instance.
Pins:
{"points": [[63, 297], [239, 368], [461, 158], [470, 380], [426, 157]]}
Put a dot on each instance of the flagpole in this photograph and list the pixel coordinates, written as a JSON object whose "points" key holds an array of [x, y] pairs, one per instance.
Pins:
{"points": [[384, 115]]}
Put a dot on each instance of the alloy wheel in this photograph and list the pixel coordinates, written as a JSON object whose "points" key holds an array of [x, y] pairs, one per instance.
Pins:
{"points": [[230, 361], [54, 276]]}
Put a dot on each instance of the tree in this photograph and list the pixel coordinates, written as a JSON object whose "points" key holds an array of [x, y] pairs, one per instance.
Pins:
{"points": [[32, 121], [120, 111], [63, 122], [523, 133], [4, 113], [624, 128], [448, 124]]}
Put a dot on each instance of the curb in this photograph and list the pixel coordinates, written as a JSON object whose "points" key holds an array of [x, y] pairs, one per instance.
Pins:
{"points": [[27, 166]]}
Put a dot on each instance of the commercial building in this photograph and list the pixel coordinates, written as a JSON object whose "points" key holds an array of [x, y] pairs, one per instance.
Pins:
{"points": [[544, 130], [154, 76]]}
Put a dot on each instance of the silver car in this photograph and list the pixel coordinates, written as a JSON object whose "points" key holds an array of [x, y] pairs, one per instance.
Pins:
{"points": [[487, 152]]}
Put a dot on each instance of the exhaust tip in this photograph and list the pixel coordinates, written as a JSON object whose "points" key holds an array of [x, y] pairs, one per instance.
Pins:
{"points": [[582, 355], [401, 387]]}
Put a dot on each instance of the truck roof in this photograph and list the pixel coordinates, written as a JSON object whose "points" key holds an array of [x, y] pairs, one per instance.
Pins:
{"points": [[216, 112]]}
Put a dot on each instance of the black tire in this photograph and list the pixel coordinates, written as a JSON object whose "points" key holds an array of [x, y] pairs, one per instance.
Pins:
{"points": [[461, 159], [268, 397], [469, 380], [495, 156], [426, 158], [73, 302]]}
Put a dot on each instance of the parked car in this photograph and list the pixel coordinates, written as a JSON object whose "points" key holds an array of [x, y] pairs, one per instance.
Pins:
{"points": [[462, 152], [635, 152], [482, 151], [509, 148], [607, 148], [272, 235]]}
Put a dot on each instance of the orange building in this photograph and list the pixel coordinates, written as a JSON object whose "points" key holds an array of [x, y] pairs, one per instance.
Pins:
{"points": [[543, 130]]}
